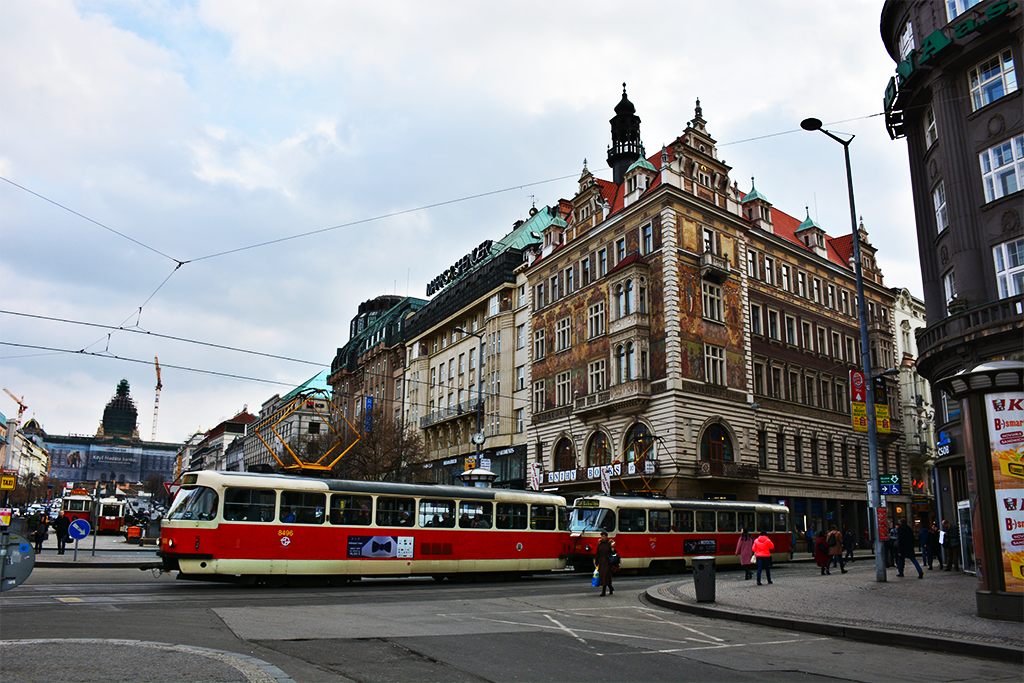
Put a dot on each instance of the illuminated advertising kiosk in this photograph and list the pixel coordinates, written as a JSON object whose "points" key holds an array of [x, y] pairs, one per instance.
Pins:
{"points": [[992, 396]]}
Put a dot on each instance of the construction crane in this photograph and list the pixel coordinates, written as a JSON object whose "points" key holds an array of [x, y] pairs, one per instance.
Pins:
{"points": [[156, 402], [11, 433]]}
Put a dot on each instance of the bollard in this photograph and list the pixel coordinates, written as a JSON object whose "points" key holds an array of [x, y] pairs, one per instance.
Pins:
{"points": [[704, 578]]}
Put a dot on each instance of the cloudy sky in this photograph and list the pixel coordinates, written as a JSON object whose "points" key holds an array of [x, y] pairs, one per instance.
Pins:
{"points": [[139, 136]]}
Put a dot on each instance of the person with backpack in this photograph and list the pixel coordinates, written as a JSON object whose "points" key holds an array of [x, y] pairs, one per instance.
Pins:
{"points": [[834, 541]]}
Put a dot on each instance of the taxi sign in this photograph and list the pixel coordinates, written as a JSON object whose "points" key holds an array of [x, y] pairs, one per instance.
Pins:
{"points": [[79, 529], [8, 482]]}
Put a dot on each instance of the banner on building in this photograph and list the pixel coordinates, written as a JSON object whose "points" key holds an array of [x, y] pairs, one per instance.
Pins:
{"points": [[1005, 418]]}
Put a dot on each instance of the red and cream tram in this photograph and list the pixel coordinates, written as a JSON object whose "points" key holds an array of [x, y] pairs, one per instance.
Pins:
{"points": [[111, 516], [225, 525], [77, 504], [663, 534]]}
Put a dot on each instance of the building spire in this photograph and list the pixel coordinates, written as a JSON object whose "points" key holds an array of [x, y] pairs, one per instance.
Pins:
{"points": [[626, 146]]}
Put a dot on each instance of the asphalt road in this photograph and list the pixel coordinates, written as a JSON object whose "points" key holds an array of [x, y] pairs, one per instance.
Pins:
{"points": [[543, 629]]}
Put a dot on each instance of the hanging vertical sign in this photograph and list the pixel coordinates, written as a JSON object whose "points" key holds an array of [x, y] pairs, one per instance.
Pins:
{"points": [[368, 418], [535, 476], [606, 480], [1005, 418], [858, 405]]}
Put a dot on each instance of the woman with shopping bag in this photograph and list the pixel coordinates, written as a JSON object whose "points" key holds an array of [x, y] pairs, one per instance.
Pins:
{"points": [[603, 565]]}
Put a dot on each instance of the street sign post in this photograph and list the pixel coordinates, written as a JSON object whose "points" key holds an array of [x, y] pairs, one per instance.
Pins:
{"points": [[78, 530], [890, 484]]}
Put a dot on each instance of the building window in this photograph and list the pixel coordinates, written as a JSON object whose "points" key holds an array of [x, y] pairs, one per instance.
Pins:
{"points": [[709, 240], [620, 249], [830, 294], [563, 334], [1009, 258], [520, 420], [556, 291], [809, 390], [773, 325], [780, 451], [596, 376], [539, 398], [646, 239], [598, 454], [595, 320], [816, 291], [794, 386], [602, 262], [538, 344], [906, 41], [801, 285], [837, 349], [538, 298], [844, 454], [826, 395], [585, 278], [851, 354], [777, 383], [808, 341], [624, 362], [992, 79], [769, 270], [822, 342], [939, 203], [844, 302], [521, 336], [759, 378], [624, 299], [715, 444], [791, 330], [955, 8], [930, 134], [949, 285], [563, 388], [714, 365], [1002, 168], [785, 278], [712, 300], [755, 319], [563, 457], [752, 264], [815, 469], [798, 454], [762, 449], [520, 377], [638, 442]]}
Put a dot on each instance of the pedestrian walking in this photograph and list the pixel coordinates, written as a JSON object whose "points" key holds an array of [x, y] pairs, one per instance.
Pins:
{"points": [[39, 533], [763, 552], [602, 560], [951, 545], [848, 542], [60, 527], [834, 541], [745, 549], [905, 546], [821, 557], [810, 540], [934, 548], [922, 540]]}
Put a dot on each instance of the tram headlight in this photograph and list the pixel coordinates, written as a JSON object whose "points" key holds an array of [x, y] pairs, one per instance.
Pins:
{"points": [[170, 543]]}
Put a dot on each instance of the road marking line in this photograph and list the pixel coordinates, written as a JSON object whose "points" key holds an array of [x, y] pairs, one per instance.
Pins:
{"points": [[724, 646], [71, 599], [684, 627], [564, 628]]}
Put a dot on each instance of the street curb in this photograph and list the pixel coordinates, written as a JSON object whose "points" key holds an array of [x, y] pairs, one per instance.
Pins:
{"points": [[895, 638], [98, 565]]}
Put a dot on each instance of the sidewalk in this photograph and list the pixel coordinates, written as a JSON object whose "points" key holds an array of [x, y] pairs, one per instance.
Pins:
{"points": [[111, 552], [937, 613]]}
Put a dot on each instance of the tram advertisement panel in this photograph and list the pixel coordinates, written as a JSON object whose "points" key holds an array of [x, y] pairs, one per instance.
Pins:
{"points": [[380, 546], [702, 546], [1006, 440]]}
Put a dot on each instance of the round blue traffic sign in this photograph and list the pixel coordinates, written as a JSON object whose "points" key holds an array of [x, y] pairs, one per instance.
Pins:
{"points": [[79, 529]]}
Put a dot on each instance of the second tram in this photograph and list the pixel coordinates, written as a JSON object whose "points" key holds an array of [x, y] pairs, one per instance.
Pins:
{"points": [[77, 504], [110, 516], [665, 534], [267, 527]]}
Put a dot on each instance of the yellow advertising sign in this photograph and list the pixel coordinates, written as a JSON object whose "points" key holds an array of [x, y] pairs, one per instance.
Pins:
{"points": [[859, 411], [882, 417], [8, 482]]}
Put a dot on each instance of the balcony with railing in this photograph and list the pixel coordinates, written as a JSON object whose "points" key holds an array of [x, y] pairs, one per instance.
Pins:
{"points": [[465, 408], [714, 267], [726, 469], [625, 399]]}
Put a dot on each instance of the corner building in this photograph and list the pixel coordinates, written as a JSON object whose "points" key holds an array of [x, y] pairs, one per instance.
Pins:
{"points": [[698, 340], [955, 98]]}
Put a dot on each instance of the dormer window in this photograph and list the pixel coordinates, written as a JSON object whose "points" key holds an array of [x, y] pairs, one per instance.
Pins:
{"points": [[766, 213], [703, 178]]}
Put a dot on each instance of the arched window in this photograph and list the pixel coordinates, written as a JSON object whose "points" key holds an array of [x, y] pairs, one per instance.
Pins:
{"points": [[628, 298], [620, 364], [597, 451], [715, 444], [564, 459], [639, 443], [620, 300], [629, 362]]}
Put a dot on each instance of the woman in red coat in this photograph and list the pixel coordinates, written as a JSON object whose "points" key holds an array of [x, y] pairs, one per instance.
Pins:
{"points": [[821, 557]]}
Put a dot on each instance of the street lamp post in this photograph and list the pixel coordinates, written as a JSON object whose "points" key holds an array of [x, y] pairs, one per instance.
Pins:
{"points": [[874, 494], [478, 438]]}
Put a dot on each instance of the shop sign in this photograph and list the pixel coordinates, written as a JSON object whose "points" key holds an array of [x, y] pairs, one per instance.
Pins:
{"points": [[1005, 418], [944, 449], [459, 267], [937, 43]]}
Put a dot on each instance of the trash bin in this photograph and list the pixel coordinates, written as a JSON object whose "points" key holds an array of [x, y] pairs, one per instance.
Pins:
{"points": [[704, 578]]}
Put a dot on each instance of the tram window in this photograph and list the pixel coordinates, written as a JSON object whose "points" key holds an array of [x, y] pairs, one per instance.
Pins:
{"points": [[110, 511], [249, 505], [563, 518], [474, 515], [304, 508], [199, 504], [542, 517], [348, 510], [632, 520], [395, 511], [437, 513], [726, 520], [745, 520], [661, 521], [591, 519], [77, 506], [764, 521], [682, 520], [705, 521], [781, 521], [511, 515]]}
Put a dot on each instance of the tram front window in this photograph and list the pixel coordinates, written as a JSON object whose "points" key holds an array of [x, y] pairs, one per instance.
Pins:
{"points": [[198, 504], [591, 519]]}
